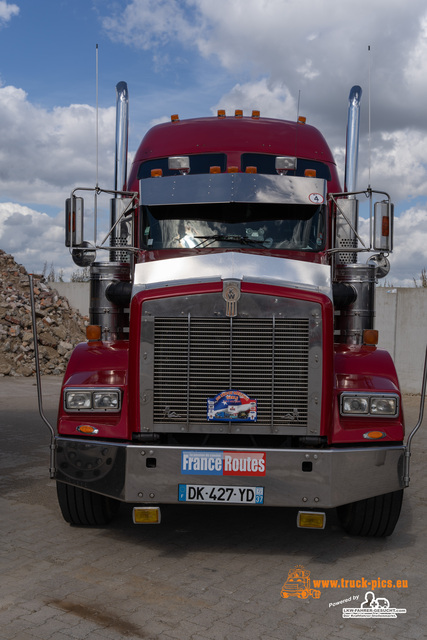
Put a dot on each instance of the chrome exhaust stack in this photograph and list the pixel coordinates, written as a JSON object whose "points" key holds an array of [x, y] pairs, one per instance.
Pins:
{"points": [[105, 310], [122, 125], [352, 142], [355, 318], [120, 235], [347, 212]]}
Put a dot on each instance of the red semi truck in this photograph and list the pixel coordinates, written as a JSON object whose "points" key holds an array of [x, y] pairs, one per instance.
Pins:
{"points": [[231, 356]]}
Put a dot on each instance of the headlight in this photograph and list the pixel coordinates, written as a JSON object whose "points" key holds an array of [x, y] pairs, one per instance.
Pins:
{"points": [[106, 400], [355, 404], [373, 405], [78, 400], [100, 400], [384, 406]]}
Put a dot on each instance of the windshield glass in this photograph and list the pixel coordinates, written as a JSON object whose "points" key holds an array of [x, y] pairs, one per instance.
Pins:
{"points": [[268, 226]]}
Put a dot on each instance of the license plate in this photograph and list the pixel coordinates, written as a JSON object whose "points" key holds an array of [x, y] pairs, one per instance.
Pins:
{"points": [[214, 493]]}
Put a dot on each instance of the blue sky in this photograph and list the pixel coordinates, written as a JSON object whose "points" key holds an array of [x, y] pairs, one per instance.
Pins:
{"points": [[192, 57]]}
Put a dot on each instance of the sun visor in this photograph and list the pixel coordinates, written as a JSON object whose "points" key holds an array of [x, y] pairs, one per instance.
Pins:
{"points": [[232, 187]]}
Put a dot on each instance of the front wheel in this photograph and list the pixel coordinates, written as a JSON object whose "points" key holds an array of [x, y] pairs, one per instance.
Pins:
{"points": [[82, 507], [376, 516]]}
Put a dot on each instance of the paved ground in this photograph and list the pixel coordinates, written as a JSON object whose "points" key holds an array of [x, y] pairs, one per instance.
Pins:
{"points": [[203, 574]]}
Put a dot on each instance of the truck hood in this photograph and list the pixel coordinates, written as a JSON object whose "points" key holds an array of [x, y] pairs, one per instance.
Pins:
{"points": [[231, 265]]}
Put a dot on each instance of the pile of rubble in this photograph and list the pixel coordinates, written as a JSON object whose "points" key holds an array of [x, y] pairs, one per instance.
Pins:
{"points": [[59, 326]]}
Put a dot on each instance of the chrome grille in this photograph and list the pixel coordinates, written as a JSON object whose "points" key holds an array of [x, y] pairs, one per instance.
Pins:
{"points": [[266, 358]]}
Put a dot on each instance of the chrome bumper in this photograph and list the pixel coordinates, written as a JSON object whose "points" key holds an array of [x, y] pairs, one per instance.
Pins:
{"points": [[309, 478]]}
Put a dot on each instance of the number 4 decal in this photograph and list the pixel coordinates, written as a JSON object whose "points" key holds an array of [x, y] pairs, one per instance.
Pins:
{"points": [[316, 198]]}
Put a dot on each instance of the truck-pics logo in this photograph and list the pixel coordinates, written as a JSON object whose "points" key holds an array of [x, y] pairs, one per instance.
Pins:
{"points": [[298, 584], [223, 463], [232, 406]]}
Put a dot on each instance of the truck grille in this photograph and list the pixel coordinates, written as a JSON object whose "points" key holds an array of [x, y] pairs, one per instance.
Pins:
{"points": [[196, 358]]}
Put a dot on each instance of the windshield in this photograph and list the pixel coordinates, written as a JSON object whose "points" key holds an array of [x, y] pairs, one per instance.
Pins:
{"points": [[268, 226]]}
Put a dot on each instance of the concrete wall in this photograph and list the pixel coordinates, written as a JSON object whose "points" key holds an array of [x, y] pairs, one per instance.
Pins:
{"points": [[77, 294], [401, 318]]}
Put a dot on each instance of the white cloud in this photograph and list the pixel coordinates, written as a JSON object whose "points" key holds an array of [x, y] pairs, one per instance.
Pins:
{"points": [[273, 100], [46, 153], [32, 238], [148, 25], [37, 240], [410, 253], [7, 11], [320, 48]]}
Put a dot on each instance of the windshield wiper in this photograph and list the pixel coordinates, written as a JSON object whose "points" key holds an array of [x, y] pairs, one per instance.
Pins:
{"points": [[207, 240]]}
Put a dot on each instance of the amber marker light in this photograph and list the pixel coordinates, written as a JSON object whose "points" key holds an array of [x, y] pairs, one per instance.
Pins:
{"points": [[310, 173], [374, 435], [93, 332], [256, 114], [238, 113], [302, 119], [232, 169], [146, 515], [215, 169], [385, 226], [175, 117], [87, 429], [311, 519], [370, 336], [221, 113], [156, 173], [251, 169]]}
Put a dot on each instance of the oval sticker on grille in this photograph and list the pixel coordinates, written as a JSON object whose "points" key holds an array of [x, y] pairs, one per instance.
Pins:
{"points": [[233, 406]]}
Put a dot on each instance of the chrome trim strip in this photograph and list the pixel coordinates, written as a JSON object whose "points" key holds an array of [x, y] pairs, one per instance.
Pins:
{"points": [[232, 187]]}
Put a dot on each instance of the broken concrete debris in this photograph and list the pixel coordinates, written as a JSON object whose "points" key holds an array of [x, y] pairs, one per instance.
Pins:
{"points": [[59, 326]]}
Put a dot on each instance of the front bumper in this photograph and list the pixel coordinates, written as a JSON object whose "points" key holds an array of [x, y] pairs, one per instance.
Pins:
{"points": [[309, 478]]}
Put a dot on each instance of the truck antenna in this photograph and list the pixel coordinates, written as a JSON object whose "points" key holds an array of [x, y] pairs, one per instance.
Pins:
{"points": [[97, 148], [369, 116]]}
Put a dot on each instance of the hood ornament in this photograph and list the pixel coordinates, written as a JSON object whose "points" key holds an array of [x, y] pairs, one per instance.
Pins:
{"points": [[231, 295]]}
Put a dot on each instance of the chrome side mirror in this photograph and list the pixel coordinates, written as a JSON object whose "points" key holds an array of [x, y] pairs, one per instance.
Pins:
{"points": [[74, 210]]}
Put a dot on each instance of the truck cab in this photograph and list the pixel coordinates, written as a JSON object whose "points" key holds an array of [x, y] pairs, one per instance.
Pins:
{"points": [[231, 357]]}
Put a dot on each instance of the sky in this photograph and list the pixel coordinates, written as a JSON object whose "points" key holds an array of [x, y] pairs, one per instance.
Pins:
{"points": [[192, 57]]}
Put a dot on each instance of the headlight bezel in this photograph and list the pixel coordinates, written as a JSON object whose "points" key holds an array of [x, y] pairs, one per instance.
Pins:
{"points": [[373, 402], [89, 393]]}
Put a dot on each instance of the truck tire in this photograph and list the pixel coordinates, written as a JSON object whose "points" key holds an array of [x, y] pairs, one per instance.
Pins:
{"points": [[82, 507], [376, 517]]}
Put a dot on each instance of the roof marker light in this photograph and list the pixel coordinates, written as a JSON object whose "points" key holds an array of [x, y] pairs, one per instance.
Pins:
{"points": [[221, 113], [302, 119], [256, 114], [239, 113], [175, 117], [310, 173]]}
